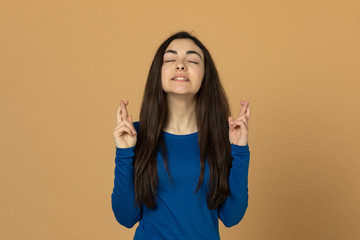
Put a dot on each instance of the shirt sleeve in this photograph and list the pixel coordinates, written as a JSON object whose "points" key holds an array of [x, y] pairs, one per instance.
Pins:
{"points": [[233, 209], [123, 195]]}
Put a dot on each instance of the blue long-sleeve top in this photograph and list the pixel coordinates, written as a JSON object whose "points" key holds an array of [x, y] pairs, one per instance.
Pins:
{"points": [[179, 214]]}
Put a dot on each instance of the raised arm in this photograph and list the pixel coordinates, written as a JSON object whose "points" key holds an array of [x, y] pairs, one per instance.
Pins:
{"points": [[233, 209], [123, 195]]}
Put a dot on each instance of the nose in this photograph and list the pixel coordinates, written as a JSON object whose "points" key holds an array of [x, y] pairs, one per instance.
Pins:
{"points": [[180, 65]]}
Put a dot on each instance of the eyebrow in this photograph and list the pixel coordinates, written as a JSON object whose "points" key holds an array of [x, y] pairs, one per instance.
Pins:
{"points": [[188, 52]]}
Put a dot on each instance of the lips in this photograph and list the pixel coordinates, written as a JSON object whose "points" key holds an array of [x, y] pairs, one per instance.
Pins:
{"points": [[180, 78]]}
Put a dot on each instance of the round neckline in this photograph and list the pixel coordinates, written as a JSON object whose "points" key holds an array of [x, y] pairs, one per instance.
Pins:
{"points": [[189, 135]]}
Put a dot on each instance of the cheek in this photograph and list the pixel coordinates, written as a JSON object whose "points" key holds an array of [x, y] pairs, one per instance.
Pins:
{"points": [[200, 73], [164, 71]]}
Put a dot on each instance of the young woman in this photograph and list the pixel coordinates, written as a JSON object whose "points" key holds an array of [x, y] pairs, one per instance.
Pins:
{"points": [[185, 163]]}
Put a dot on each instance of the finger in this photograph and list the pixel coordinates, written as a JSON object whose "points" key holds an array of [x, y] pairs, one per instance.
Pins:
{"points": [[118, 113], [118, 116], [247, 114], [244, 118], [129, 125], [243, 126], [245, 122], [132, 125], [119, 130], [243, 102], [231, 123], [241, 118], [238, 122], [244, 107], [124, 113], [124, 129]]}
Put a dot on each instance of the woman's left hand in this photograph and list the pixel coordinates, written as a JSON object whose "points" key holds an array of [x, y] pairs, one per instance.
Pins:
{"points": [[238, 129]]}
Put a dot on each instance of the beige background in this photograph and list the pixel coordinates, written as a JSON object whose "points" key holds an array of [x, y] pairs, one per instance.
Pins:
{"points": [[64, 65]]}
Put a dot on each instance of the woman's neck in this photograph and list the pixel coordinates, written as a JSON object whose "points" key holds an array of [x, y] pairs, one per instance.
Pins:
{"points": [[181, 115]]}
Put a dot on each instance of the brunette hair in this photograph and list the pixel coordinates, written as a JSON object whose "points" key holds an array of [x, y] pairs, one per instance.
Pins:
{"points": [[212, 112]]}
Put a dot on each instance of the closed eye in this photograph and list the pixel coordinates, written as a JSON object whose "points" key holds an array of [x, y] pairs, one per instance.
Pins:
{"points": [[174, 61]]}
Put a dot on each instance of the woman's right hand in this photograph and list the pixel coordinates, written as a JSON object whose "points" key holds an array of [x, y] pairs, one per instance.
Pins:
{"points": [[125, 134]]}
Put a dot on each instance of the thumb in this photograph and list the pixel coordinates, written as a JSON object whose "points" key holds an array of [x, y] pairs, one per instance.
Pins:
{"points": [[231, 119]]}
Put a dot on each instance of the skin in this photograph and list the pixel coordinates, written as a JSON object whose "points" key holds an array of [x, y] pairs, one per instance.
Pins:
{"points": [[180, 97], [238, 128], [125, 133], [181, 117]]}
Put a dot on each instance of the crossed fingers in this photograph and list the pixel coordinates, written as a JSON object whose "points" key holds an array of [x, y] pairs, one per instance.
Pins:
{"points": [[122, 113], [123, 118], [243, 117], [245, 109]]}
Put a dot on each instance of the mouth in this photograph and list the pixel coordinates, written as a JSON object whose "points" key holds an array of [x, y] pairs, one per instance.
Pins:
{"points": [[183, 79]]}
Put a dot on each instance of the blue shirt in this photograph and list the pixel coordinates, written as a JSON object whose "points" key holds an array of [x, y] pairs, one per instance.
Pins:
{"points": [[180, 214]]}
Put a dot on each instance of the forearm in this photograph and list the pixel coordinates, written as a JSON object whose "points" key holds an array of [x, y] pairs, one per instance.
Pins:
{"points": [[123, 194], [234, 207]]}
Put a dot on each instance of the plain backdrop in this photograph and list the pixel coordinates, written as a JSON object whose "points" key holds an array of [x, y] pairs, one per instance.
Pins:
{"points": [[65, 65]]}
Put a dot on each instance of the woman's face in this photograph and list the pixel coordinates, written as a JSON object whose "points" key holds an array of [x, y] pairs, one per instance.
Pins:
{"points": [[183, 67]]}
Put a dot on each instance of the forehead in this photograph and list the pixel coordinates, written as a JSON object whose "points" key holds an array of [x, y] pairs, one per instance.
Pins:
{"points": [[183, 45]]}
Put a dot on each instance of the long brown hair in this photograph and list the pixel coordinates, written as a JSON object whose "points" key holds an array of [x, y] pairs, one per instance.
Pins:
{"points": [[212, 112]]}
